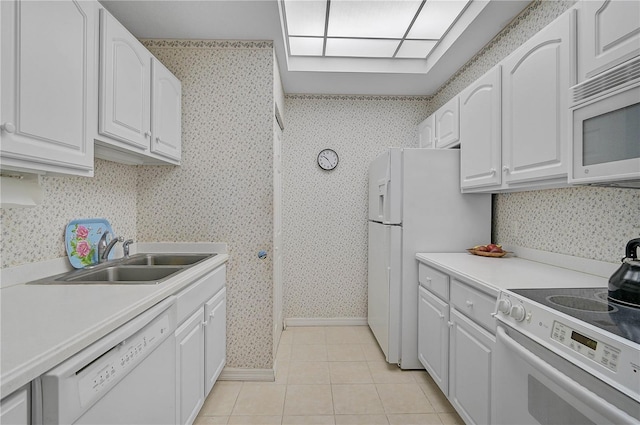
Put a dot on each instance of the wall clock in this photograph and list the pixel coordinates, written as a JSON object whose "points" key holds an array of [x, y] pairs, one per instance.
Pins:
{"points": [[328, 159]]}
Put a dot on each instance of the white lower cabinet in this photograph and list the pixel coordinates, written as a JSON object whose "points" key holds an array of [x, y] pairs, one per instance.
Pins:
{"points": [[471, 350], [200, 342], [456, 342], [15, 408], [215, 332], [433, 344], [190, 368]]}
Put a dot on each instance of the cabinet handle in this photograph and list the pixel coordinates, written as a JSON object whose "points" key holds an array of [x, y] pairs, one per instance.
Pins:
{"points": [[429, 281], [505, 169], [441, 315], [8, 127], [212, 314], [147, 134], [450, 324], [205, 323], [492, 171], [469, 303]]}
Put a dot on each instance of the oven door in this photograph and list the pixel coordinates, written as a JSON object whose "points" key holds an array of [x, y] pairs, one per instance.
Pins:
{"points": [[532, 386]]}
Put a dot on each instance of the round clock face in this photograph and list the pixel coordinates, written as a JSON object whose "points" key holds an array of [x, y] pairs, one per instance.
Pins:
{"points": [[328, 159]]}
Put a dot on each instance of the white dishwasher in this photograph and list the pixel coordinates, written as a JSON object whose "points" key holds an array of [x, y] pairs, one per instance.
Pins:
{"points": [[127, 377]]}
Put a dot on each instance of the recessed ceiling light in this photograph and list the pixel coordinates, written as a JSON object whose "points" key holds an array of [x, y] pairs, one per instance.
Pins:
{"points": [[360, 47], [368, 28], [306, 46]]}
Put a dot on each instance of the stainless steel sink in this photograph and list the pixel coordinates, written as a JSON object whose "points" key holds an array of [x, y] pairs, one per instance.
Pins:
{"points": [[166, 259], [139, 269], [123, 274]]}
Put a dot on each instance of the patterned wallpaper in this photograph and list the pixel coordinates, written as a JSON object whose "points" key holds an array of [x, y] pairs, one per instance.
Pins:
{"points": [[223, 191], [37, 234], [587, 222], [325, 213]]}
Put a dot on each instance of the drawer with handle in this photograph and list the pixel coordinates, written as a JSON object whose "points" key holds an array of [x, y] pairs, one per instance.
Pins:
{"points": [[474, 304], [433, 280]]}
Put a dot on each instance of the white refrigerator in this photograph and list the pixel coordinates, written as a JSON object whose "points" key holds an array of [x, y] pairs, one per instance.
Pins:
{"points": [[415, 205]]}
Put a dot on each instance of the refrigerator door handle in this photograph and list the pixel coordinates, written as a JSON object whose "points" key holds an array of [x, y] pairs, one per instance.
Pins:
{"points": [[382, 195]]}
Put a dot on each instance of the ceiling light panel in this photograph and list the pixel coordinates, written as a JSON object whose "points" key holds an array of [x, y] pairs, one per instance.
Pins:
{"points": [[415, 49], [306, 46], [435, 18], [349, 47], [371, 19], [305, 17]]}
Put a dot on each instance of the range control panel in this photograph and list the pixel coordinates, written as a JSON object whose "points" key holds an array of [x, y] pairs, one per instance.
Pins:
{"points": [[606, 356], [115, 363], [590, 348]]}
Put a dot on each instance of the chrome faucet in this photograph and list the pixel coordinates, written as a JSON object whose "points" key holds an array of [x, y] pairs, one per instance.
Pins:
{"points": [[125, 247], [104, 249]]}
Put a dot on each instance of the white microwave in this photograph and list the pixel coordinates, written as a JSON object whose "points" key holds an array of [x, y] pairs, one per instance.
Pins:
{"points": [[606, 128]]}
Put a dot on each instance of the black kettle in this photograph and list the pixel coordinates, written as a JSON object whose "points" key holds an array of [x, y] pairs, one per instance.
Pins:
{"points": [[624, 284]]}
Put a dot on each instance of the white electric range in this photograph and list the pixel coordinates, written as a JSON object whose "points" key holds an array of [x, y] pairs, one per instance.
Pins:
{"points": [[566, 356]]}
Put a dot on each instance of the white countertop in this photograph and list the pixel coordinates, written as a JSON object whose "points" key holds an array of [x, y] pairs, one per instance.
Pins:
{"points": [[492, 275], [43, 325]]}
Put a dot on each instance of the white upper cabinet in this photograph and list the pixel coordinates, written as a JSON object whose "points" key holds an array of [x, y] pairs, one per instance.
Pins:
{"points": [[480, 132], [447, 120], [48, 112], [427, 133], [535, 104], [140, 101], [608, 35], [125, 80], [166, 100]]}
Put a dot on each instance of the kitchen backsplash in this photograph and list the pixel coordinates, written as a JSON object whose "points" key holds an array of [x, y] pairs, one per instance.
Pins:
{"points": [[324, 213], [223, 190], [588, 222], [37, 234]]}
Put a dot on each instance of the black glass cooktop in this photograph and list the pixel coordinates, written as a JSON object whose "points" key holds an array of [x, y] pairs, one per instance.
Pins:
{"points": [[590, 305]]}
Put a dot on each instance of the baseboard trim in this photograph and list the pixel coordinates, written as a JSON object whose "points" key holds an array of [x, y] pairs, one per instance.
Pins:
{"points": [[244, 374], [325, 321]]}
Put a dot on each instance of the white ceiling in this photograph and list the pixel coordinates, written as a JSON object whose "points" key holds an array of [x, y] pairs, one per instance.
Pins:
{"points": [[260, 20]]}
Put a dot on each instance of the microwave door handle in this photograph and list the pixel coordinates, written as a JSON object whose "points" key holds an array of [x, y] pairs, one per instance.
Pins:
{"points": [[569, 385]]}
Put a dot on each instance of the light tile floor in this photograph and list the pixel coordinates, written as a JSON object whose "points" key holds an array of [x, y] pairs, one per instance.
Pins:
{"points": [[330, 375]]}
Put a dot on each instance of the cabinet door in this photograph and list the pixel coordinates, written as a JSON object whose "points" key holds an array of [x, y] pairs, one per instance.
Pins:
{"points": [[48, 113], [608, 34], [433, 337], [190, 368], [470, 369], [215, 338], [536, 80], [480, 132], [15, 409], [426, 132], [125, 77], [166, 104], [448, 124]]}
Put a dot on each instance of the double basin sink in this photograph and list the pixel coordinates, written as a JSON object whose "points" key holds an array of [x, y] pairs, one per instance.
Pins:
{"points": [[141, 269]]}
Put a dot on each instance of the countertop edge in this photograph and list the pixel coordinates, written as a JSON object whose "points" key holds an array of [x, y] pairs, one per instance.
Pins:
{"points": [[24, 373]]}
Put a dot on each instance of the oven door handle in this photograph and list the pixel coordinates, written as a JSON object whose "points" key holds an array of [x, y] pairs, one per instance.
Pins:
{"points": [[569, 385]]}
